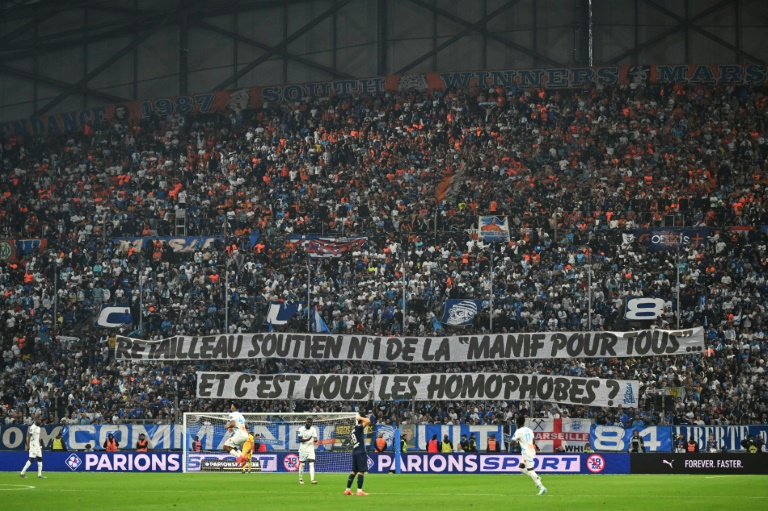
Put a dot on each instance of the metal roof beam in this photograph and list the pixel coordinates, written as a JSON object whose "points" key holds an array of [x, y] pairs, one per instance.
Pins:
{"points": [[103, 66], [470, 27], [282, 52], [43, 8], [667, 33], [491, 35], [282, 46], [62, 85], [689, 23]]}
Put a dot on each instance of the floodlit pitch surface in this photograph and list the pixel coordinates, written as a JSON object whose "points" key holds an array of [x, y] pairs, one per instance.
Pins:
{"points": [[138, 492]]}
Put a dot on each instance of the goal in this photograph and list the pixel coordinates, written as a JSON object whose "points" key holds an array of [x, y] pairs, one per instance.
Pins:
{"points": [[276, 433]]}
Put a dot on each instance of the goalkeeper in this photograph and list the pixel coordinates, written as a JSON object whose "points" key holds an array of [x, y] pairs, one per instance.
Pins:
{"points": [[246, 460]]}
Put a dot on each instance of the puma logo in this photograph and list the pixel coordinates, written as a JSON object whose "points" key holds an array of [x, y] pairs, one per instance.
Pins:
{"points": [[668, 463]]}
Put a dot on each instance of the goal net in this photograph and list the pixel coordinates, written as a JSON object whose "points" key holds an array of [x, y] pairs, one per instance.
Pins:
{"points": [[276, 438]]}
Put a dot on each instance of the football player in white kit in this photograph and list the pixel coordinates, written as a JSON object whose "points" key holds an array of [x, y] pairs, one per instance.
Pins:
{"points": [[34, 448], [236, 425], [308, 437], [524, 438]]}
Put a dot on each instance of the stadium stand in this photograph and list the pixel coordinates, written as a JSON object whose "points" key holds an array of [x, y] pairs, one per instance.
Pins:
{"points": [[573, 170]]}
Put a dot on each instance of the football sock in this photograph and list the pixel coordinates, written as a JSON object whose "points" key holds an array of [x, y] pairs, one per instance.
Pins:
{"points": [[26, 466], [301, 470], [39, 468], [312, 470], [360, 481], [535, 477], [349, 480]]}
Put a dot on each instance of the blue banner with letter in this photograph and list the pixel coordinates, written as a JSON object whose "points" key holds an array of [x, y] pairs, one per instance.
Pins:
{"points": [[114, 316], [280, 313]]}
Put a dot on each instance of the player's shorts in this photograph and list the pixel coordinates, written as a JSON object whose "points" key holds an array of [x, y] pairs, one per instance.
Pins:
{"points": [[309, 454], [526, 463], [359, 462], [35, 452], [237, 439]]}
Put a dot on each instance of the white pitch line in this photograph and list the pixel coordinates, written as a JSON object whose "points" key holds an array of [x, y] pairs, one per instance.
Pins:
{"points": [[16, 487], [407, 494]]}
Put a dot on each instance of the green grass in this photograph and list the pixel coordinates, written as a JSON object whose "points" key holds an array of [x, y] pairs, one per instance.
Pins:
{"points": [[276, 492]]}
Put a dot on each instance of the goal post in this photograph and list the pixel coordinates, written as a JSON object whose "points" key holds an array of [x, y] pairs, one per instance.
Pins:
{"points": [[276, 438]]}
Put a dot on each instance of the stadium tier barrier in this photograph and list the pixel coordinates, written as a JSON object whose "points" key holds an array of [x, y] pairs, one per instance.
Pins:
{"points": [[568, 435]]}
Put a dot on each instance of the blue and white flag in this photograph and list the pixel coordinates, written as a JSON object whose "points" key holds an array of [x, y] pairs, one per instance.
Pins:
{"points": [[114, 316], [318, 325], [280, 313], [494, 228], [460, 312]]}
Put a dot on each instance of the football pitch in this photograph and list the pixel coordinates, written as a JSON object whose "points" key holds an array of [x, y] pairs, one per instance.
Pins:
{"points": [[138, 492]]}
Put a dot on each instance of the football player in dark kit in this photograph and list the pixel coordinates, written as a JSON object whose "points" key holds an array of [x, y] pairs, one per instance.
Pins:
{"points": [[359, 456]]}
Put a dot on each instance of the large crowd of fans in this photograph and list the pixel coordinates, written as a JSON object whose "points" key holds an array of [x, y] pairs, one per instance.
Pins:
{"points": [[573, 170]]}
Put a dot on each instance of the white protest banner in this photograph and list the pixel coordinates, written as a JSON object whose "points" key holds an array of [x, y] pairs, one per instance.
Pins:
{"points": [[419, 387], [462, 348]]}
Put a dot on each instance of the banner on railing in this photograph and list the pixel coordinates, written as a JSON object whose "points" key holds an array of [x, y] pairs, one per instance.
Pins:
{"points": [[564, 435], [183, 244], [237, 100], [479, 433], [660, 239], [162, 437], [419, 387], [11, 250], [729, 437], [616, 438], [662, 438], [462, 348]]}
